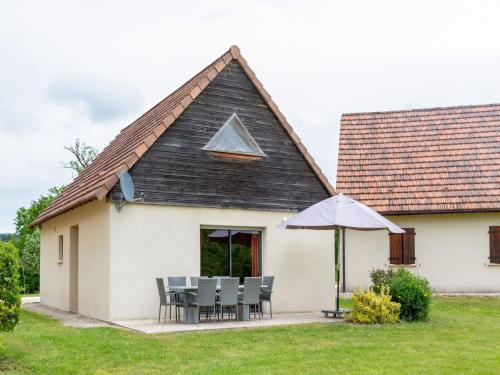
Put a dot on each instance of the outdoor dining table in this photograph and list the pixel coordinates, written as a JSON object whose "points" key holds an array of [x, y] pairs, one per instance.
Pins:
{"points": [[191, 312]]}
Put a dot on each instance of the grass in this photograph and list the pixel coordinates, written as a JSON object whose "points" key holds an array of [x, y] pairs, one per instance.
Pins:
{"points": [[462, 336]]}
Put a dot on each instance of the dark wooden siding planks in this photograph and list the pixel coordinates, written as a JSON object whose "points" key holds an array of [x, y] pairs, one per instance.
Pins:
{"points": [[176, 171]]}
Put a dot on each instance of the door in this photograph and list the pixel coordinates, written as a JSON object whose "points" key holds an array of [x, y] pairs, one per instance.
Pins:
{"points": [[73, 269]]}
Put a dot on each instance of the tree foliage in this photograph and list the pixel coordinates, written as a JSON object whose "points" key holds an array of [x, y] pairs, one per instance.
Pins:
{"points": [[6, 236], [83, 155], [10, 297], [27, 239]]}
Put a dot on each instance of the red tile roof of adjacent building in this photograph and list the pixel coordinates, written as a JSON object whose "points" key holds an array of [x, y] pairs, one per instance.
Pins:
{"points": [[422, 161], [124, 151]]}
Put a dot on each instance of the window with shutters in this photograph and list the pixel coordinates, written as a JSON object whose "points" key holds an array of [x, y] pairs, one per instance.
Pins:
{"points": [[495, 244], [402, 247]]}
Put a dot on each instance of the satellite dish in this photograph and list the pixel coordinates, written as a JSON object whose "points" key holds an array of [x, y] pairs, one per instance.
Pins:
{"points": [[127, 189], [127, 186]]}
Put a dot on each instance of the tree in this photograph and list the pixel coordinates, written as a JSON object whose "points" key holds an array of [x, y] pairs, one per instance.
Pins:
{"points": [[10, 297], [5, 236], [30, 262], [84, 155], [27, 239]]}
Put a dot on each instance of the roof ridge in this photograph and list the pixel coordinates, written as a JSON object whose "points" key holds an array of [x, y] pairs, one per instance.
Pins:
{"points": [[420, 109], [135, 139]]}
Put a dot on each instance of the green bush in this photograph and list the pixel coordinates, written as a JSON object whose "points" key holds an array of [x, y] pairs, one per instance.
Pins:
{"points": [[381, 277], [371, 308], [10, 296], [413, 293]]}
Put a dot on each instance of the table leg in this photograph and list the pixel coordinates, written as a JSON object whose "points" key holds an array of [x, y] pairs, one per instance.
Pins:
{"points": [[191, 313], [243, 312]]}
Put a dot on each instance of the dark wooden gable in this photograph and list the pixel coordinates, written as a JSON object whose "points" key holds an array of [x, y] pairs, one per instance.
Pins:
{"points": [[176, 171]]}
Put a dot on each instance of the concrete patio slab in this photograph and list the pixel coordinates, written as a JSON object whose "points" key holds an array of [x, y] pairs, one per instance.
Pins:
{"points": [[30, 299], [66, 318], [152, 326]]}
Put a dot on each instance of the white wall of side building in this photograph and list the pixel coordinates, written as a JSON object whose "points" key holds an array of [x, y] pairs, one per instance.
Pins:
{"points": [[148, 241], [451, 251], [92, 220]]}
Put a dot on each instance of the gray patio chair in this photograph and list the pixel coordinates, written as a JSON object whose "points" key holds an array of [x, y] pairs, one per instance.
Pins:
{"points": [[266, 292], [174, 281], [251, 292], [167, 299], [228, 296], [219, 278], [207, 290], [194, 280]]}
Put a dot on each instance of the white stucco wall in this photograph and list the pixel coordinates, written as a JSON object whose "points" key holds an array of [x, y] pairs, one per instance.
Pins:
{"points": [[93, 260], [451, 249], [148, 241]]}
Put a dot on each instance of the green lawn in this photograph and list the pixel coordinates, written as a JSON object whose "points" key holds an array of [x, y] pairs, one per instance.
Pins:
{"points": [[462, 336]]}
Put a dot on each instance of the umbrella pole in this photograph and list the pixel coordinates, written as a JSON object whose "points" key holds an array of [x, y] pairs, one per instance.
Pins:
{"points": [[337, 271]]}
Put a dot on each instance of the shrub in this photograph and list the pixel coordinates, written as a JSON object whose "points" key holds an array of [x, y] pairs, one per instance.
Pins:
{"points": [[10, 297], [381, 277], [413, 293], [370, 307]]}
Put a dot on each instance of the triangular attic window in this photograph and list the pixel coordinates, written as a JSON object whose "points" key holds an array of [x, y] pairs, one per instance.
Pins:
{"points": [[234, 138]]}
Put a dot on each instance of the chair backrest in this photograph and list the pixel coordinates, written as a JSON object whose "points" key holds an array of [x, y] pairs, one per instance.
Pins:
{"points": [[268, 281], [207, 291], [251, 290], [219, 278], [194, 280], [229, 291], [176, 281], [161, 290]]}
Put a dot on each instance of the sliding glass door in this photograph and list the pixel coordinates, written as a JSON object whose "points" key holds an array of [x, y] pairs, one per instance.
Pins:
{"points": [[230, 252]]}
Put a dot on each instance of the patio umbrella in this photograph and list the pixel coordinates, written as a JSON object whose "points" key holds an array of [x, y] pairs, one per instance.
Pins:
{"points": [[339, 213]]}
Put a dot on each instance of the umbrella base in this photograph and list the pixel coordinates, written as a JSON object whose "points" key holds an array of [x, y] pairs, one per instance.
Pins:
{"points": [[334, 313]]}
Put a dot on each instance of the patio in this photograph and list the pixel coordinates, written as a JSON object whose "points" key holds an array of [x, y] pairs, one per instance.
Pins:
{"points": [[152, 325]]}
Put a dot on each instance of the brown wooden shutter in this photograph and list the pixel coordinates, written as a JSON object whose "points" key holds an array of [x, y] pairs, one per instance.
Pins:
{"points": [[409, 246], [396, 248], [495, 244]]}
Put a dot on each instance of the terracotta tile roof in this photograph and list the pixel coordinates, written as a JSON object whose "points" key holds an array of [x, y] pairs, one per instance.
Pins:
{"points": [[425, 160], [133, 141]]}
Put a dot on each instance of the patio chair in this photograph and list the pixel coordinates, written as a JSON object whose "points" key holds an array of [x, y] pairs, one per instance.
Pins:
{"points": [[165, 300], [228, 296], [266, 292], [194, 280], [251, 292], [207, 290], [174, 281], [219, 278]]}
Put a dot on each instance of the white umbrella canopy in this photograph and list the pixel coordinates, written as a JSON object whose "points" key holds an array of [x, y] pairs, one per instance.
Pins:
{"points": [[339, 212]]}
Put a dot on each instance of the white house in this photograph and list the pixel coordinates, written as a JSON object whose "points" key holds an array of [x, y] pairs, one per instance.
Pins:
{"points": [[218, 167], [436, 173]]}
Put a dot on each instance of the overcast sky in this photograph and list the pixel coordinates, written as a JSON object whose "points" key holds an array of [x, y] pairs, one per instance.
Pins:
{"points": [[86, 70]]}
